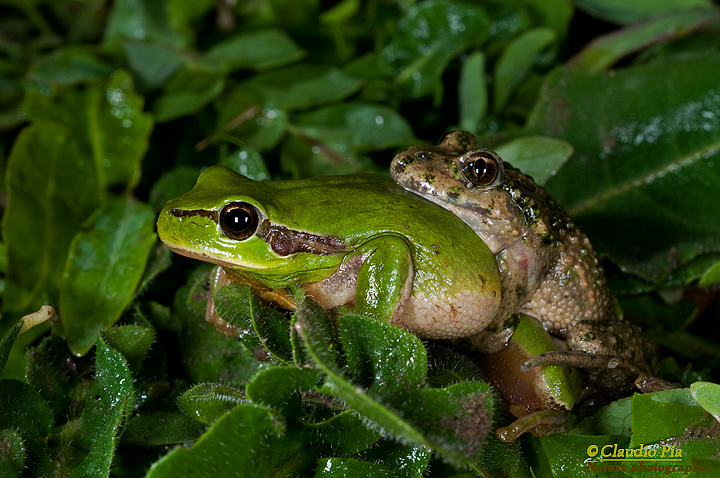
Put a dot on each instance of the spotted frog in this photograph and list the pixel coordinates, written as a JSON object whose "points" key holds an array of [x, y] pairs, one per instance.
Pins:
{"points": [[549, 272]]}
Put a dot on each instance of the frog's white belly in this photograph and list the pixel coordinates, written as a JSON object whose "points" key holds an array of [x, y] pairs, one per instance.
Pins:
{"points": [[462, 315]]}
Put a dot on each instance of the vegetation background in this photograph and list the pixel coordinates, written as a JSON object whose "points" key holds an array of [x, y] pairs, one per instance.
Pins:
{"points": [[109, 109]]}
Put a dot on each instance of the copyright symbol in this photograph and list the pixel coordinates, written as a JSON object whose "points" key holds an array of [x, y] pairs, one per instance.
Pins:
{"points": [[592, 450]]}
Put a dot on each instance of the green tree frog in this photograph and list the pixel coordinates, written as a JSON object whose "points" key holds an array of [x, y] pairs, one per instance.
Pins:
{"points": [[360, 241]]}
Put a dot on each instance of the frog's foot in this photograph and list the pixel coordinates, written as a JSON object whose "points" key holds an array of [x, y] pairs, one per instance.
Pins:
{"points": [[581, 360], [648, 384], [540, 423]]}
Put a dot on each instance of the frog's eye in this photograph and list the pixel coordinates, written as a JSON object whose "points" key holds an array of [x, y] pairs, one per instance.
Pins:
{"points": [[483, 168], [239, 220]]}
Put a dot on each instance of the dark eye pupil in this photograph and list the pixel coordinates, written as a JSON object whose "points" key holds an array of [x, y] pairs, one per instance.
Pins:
{"points": [[482, 168], [239, 220]]}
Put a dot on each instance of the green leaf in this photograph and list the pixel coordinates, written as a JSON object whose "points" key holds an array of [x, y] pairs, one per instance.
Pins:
{"points": [[7, 342], [242, 117], [141, 20], [48, 198], [404, 459], [473, 93], [108, 123], [207, 402], [172, 184], [108, 406], [329, 140], [537, 156], [454, 421], [67, 66], [24, 411], [239, 303], [208, 355], [623, 12], [161, 428], [245, 439], [516, 61], [302, 86], [350, 468], [257, 50], [53, 372], [346, 433], [604, 51], [186, 93], [708, 396], [555, 14], [711, 276], [153, 63], [382, 358], [105, 265], [133, 341], [12, 453], [643, 137], [652, 413], [248, 162], [280, 388], [430, 35]]}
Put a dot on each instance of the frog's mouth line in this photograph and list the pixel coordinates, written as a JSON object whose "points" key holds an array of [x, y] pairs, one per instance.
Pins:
{"points": [[203, 257]]}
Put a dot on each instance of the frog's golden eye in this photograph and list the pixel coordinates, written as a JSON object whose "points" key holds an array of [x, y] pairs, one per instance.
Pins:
{"points": [[239, 220], [483, 168]]}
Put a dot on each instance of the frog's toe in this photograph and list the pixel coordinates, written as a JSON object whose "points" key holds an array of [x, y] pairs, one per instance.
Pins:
{"points": [[581, 360], [539, 424]]}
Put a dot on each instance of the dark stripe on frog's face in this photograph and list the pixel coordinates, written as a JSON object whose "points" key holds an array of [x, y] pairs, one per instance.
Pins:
{"points": [[286, 241], [282, 240]]}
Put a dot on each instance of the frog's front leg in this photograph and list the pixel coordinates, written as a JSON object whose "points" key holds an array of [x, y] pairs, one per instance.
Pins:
{"points": [[385, 279]]}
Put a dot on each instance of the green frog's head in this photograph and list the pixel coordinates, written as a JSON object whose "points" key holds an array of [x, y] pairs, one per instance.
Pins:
{"points": [[218, 221], [226, 219]]}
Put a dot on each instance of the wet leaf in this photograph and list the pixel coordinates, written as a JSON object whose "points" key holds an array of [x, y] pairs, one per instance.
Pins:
{"points": [[453, 421], [643, 137], [105, 264], [107, 409], [248, 428], [428, 36], [207, 402], [133, 341]]}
